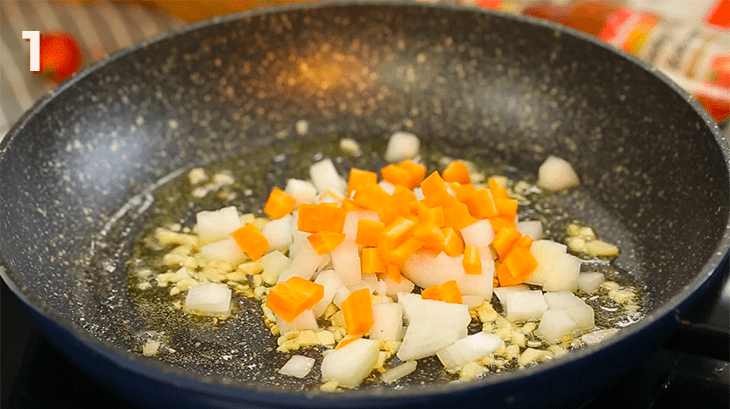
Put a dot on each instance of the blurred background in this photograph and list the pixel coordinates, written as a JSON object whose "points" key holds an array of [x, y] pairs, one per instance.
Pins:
{"points": [[689, 40]]}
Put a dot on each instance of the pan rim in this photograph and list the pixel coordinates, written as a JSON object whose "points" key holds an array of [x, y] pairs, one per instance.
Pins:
{"points": [[221, 387]]}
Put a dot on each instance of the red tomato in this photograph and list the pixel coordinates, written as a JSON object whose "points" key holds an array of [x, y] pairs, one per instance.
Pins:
{"points": [[60, 56]]}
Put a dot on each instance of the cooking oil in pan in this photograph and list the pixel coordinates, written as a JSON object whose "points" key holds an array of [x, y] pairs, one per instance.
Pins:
{"points": [[242, 347]]}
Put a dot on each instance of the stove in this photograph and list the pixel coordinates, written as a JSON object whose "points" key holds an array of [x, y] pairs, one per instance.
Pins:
{"points": [[35, 375]]}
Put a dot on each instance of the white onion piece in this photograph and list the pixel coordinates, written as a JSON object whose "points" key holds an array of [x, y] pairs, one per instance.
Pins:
{"points": [[387, 321], [209, 299], [425, 270], [273, 264], [298, 238], [388, 187], [554, 324], [325, 263], [304, 321], [325, 177], [425, 338], [297, 366], [400, 371], [352, 363], [346, 262], [353, 218], [478, 234], [340, 295], [469, 349], [472, 301], [544, 251], [227, 250], [330, 280], [419, 194], [421, 270], [402, 146], [531, 228], [301, 190], [393, 288], [447, 314], [525, 305], [579, 311], [360, 285], [278, 233], [217, 224], [556, 174], [563, 273], [503, 292], [589, 282], [304, 264]]}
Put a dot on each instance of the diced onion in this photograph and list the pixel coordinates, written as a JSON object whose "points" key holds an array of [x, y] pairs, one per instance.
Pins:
{"points": [[469, 349], [352, 363], [530, 228], [388, 321], [226, 249], [346, 262], [589, 282], [209, 299], [554, 324], [402, 146], [400, 371], [525, 305], [325, 177], [297, 366], [301, 190], [304, 321], [273, 264], [278, 233], [218, 224], [556, 174], [478, 234], [330, 280]]}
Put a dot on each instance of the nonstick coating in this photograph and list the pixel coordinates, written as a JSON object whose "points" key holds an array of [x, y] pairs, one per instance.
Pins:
{"points": [[76, 171]]}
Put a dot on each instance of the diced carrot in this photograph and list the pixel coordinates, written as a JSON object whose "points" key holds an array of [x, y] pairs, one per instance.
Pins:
{"points": [[434, 189], [329, 197], [463, 191], [251, 241], [449, 292], [402, 200], [453, 244], [325, 241], [505, 277], [321, 217], [368, 232], [506, 207], [357, 310], [431, 293], [472, 263], [458, 216], [292, 297], [500, 223], [401, 253], [394, 273], [416, 171], [348, 205], [525, 242], [497, 191], [396, 175], [346, 340], [481, 204], [371, 196], [395, 233], [505, 240], [520, 262], [279, 204], [457, 172], [371, 261], [358, 178], [434, 215], [429, 234]]}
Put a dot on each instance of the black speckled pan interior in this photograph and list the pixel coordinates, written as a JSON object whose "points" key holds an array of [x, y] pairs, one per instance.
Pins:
{"points": [[75, 173]]}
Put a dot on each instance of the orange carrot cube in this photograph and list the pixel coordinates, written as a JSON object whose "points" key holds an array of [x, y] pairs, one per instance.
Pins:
{"points": [[357, 310], [371, 261], [450, 292], [434, 189], [321, 217], [279, 204], [368, 232], [431, 293], [396, 175], [325, 241], [292, 297], [472, 262], [458, 216], [358, 178], [371, 196], [251, 241], [457, 172], [481, 204], [505, 240], [416, 172], [453, 244]]}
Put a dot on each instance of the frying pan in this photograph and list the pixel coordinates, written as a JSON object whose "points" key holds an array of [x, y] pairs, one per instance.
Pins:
{"points": [[78, 171]]}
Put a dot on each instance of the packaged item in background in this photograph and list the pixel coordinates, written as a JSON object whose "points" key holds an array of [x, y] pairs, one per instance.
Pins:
{"points": [[688, 40]]}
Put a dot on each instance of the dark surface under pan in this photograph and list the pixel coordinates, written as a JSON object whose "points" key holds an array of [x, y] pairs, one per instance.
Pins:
{"points": [[76, 171]]}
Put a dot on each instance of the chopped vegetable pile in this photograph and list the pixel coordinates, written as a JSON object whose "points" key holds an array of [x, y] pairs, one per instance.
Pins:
{"points": [[390, 268]]}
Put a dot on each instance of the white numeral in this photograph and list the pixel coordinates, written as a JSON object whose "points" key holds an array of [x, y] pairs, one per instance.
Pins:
{"points": [[35, 49]]}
